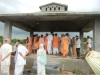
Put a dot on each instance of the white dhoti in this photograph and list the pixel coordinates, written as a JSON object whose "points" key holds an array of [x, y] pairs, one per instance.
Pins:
{"points": [[89, 45], [40, 69], [19, 69], [49, 47], [5, 69], [55, 50]]}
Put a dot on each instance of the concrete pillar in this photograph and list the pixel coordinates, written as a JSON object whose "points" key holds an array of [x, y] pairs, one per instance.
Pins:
{"points": [[7, 30], [96, 35], [82, 45], [31, 33]]}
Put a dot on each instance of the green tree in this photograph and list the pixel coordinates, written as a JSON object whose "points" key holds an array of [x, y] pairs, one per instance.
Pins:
{"points": [[14, 40], [22, 41], [85, 39], [1, 39]]}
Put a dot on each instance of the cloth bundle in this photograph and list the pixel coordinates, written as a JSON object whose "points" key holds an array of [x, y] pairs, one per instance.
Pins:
{"points": [[93, 59]]}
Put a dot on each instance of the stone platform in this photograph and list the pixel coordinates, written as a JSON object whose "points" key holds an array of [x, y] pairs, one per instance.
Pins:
{"points": [[51, 68], [66, 64]]}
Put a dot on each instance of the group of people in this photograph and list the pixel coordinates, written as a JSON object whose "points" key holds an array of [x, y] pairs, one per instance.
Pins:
{"points": [[46, 45], [5, 57], [53, 44], [20, 58]]}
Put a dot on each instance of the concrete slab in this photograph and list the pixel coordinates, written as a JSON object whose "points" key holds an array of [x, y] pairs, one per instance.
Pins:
{"points": [[66, 64], [3, 74], [51, 68]]}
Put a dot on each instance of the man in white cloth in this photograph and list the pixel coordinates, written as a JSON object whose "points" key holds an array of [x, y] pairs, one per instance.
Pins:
{"points": [[78, 45], [5, 57], [49, 45], [15, 46], [41, 60], [88, 44], [20, 59]]}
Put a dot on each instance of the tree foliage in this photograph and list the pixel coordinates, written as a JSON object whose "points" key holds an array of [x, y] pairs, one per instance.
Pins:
{"points": [[23, 40], [1, 38], [13, 40], [85, 39]]}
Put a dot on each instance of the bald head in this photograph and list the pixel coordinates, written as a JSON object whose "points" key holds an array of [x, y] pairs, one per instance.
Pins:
{"points": [[7, 41]]}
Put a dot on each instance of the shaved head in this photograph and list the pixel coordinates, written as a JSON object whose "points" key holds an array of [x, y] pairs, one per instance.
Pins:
{"points": [[7, 40]]}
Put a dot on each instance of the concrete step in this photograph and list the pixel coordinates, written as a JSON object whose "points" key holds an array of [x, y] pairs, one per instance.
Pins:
{"points": [[49, 70], [3, 73], [49, 64]]}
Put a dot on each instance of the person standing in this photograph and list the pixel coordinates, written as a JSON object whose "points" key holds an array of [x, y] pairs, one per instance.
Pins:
{"points": [[36, 45], [5, 57], [55, 46], [88, 44], [49, 46], [69, 44], [77, 43], [27, 40], [30, 44], [41, 60], [60, 48], [20, 59], [73, 45], [36, 37], [15, 47], [65, 46], [41, 40], [45, 43]]}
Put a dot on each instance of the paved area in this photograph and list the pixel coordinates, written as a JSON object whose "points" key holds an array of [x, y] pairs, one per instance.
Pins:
{"points": [[49, 57]]}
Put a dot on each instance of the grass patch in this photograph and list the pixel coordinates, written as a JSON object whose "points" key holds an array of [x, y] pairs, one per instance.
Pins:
{"points": [[78, 72]]}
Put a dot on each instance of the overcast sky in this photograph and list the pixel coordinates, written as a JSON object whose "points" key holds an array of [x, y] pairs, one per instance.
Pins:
{"points": [[30, 6]]}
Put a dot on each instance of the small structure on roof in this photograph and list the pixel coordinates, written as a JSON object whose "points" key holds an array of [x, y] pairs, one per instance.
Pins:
{"points": [[53, 7]]}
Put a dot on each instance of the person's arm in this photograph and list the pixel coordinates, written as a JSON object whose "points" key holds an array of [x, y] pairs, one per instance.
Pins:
{"points": [[9, 53], [26, 52], [24, 57], [5, 56]]}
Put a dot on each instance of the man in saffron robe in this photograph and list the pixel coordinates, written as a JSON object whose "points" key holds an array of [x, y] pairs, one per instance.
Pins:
{"points": [[65, 46], [30, 44], [36, 45], [45, 42], [56, 41], [35, 39], [41, 40]]}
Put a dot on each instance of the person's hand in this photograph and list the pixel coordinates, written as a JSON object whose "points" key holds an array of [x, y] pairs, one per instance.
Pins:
{"points": [[24, 57], [2, 59]]}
